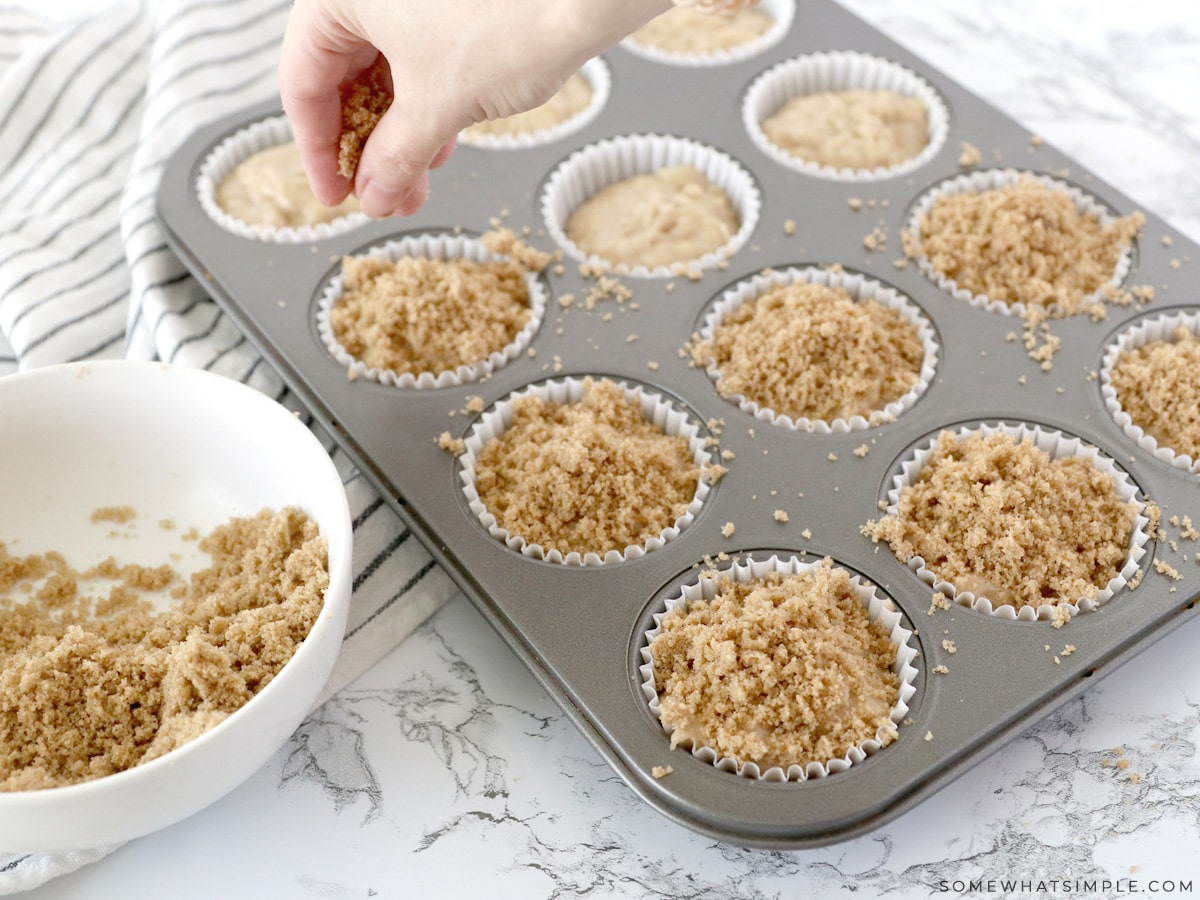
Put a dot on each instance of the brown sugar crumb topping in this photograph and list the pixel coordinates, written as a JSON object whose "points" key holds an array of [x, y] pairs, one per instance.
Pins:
{"points": [[504, 242], [119, 514], [364, 101], [1023, 243], [782, 670], [586, 476], [428, 315], [1158, 385], [91, 685], [806, 350], [1006, 521]]}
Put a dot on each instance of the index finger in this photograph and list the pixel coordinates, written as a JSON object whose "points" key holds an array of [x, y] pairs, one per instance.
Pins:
{"points": [[311, 68]]}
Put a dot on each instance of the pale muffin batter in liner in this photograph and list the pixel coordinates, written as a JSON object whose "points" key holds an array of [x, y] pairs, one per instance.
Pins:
{"points": [[878, 607], [599, 165], [595, 73], [433, 246], [1057, 445], [992, 179], [841, 71], [859, 287], [1159, 328], [780, 12], [235, 149], [665, 414]]}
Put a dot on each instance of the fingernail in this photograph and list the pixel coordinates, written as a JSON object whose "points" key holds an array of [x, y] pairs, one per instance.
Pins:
{"points": [[380, 201]]}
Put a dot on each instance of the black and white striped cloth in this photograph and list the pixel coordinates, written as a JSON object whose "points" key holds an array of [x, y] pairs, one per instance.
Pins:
{"points": [[90, 110]]}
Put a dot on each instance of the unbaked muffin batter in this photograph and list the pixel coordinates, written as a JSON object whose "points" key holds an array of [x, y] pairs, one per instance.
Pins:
{"points": [[854, 129], [684, 30], [673, 216], [270, 189], [571, 99]]}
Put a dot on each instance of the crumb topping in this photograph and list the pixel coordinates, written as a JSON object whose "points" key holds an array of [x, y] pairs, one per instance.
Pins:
{"points": [[1005, 521], [780, 670], [428, 315], [93, 684], [586, 476], [805, 350], [1158, 385]]}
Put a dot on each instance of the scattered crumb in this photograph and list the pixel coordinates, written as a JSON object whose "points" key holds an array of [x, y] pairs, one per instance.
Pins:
{"points": [[940, 670], [806, 534], [929, 735], [862, 450], [661, 771], [451, 444], [970, 155], [780, 515], [728, 529], [122, 515], [949, 647], [789, 227]]}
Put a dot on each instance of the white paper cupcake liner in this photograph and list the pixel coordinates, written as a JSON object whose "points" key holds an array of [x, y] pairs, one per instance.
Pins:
{"points": [[841, 70], [655, 408], [432, 246], [782, 14], [878, 606], [234, 150], [598, 165], [596, 72], [1058, 446], [859, 287], [988, 180], [1158, 328]]}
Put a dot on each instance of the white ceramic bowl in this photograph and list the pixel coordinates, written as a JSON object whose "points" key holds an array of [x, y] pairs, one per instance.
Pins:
{"points": [[179, 444]]}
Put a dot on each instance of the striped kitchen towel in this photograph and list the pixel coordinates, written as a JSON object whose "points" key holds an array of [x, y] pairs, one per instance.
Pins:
{"points": [[90, 110]]}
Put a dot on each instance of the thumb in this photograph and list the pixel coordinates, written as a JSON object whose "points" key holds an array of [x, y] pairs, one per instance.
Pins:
{"points": [[393, 174]]}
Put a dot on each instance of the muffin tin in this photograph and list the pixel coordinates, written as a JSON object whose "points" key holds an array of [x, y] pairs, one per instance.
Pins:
{"points": [[581, 628]]}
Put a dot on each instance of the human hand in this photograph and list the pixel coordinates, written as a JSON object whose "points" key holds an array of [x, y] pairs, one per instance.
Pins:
{"points": [[452, 63]]}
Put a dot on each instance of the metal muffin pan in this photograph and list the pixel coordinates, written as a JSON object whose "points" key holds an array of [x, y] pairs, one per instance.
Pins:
{"points": [[580, 629]]}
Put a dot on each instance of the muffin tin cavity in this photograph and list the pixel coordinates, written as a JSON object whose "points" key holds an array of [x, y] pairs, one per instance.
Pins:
{"points": [[1172, 401], [992, 179], [860, 288], [666, 414], [1019, 503], [430, 246], [578, 178], [835, 72], [236, 149], [598, 77], [755, 568], [781, 13]]}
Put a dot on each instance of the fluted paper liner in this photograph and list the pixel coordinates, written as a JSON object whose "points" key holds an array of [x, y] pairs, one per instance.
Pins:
{"points": [[236, 149], [841, 70], [781, 12], [988, 180], [1157, 328], [432, 246], [1058, 446], [655, 407], [595, 72], [878, 606], [859, 287], [596, 166]]}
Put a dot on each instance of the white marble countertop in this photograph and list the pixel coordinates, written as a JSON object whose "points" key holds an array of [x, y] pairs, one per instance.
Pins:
{"points": [[446, 771]]}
